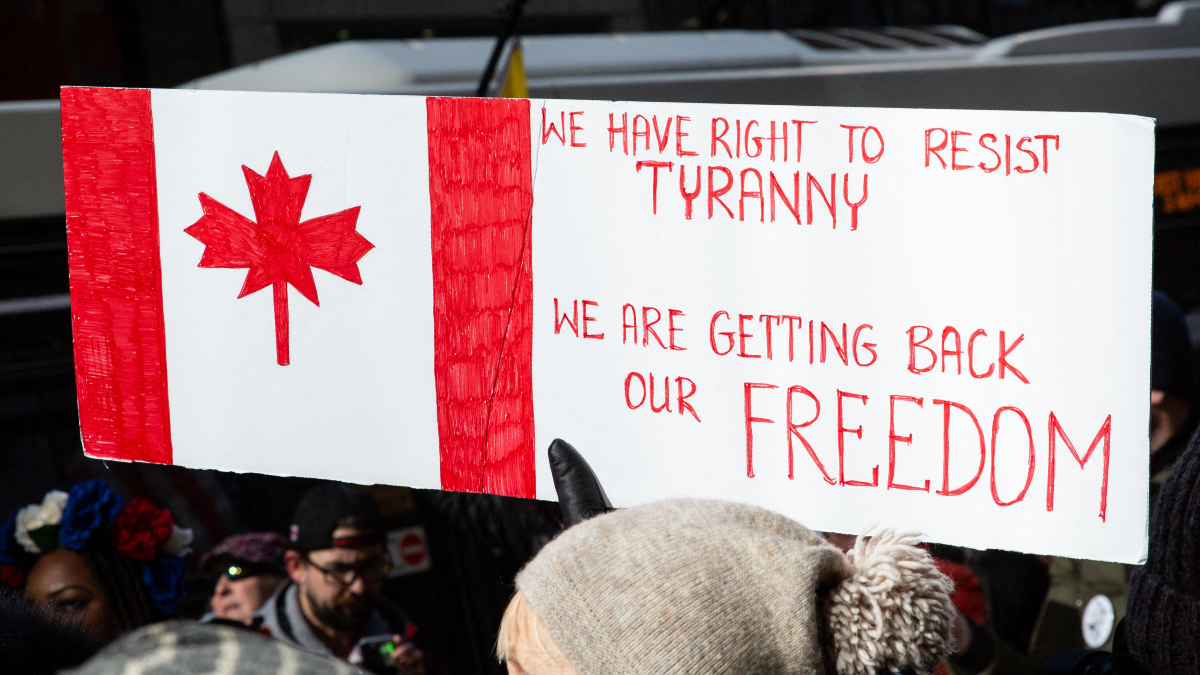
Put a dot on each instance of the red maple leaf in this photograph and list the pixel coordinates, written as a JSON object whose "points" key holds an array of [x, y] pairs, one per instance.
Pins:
{"points": [[279, 249]]}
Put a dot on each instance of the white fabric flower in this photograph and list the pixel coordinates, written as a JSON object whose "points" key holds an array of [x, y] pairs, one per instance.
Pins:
{"points": [[21, 534], [35, 516], [180, 542]]}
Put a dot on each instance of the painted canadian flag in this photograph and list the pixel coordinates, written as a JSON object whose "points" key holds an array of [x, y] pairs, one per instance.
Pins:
{"points": [[841, 314], [217, 237]]}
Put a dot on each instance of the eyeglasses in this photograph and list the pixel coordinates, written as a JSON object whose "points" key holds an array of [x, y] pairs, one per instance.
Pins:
{"points": [[238, 570], [371, 571], [235, 572]]}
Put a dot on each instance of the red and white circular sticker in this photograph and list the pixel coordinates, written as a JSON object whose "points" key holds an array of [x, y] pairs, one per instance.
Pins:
{"points": [[1098, 618], [408, 550], [412, 549]]}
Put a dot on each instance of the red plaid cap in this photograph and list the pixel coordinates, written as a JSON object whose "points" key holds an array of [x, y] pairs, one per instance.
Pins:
{"points": [[259, 548]]}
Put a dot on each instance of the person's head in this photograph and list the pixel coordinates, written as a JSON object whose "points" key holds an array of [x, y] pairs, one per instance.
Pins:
{"points": [[1170, 371], [1163, 615], [63, 583], [188, 647], [525, 645], [94, 558], [336, 555], [34, 641], [248, 568], [692, 586]]}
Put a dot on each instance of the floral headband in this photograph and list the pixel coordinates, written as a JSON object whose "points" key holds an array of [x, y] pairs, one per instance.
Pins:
{"points": [[138, 530]]}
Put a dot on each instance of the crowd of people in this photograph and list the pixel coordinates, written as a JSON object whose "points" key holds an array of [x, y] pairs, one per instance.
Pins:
{"points": [[96, 566], [90, 581]]}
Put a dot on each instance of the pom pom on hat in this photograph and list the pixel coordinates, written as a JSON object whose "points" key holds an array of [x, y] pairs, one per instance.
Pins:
{"points": [[893, 612]]}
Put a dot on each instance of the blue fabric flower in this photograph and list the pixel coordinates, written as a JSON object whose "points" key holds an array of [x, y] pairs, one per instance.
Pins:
{"points": [[91, 505], [163, 577], [10, 550]]}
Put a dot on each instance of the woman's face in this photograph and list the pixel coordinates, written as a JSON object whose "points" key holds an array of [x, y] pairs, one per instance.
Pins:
{"points": [[62, 583], [238, 600]]}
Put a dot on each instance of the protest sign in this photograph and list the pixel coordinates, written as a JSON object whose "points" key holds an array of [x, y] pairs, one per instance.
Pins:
{"points": [[926, 319]]}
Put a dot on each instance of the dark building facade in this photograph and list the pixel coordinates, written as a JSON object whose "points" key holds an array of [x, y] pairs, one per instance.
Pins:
{"points": [[45, 44]]}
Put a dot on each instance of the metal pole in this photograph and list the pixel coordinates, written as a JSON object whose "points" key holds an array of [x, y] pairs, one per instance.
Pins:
{"points": [[512, 16]]}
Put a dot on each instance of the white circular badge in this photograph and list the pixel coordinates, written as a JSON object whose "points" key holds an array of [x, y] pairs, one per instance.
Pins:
{"points": [[1098, 619]]}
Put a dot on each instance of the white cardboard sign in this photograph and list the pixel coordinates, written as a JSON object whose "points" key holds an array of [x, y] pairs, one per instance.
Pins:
{"points": [[924, 319]]}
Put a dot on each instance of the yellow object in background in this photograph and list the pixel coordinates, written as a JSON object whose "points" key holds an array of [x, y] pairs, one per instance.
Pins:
{"points": [[1178, 190], [514, 80]]}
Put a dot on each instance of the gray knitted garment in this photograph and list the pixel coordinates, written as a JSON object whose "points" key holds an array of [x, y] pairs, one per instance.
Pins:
{"points": [[692, 587], [685, 587], [189, 648]]}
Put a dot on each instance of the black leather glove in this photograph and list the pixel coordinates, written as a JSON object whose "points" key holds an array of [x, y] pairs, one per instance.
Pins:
{"points": [[580, 495]]}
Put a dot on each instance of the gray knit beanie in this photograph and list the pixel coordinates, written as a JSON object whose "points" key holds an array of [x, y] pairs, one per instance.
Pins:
{"points": [[689, 587], [190, 648]]}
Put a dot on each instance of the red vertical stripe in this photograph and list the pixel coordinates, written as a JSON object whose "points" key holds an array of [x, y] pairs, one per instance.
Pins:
{"points": [[481, 198], [116, 284]]}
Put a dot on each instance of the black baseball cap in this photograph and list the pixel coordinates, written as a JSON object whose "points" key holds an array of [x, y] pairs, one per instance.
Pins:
{"points": [[323, 508]]}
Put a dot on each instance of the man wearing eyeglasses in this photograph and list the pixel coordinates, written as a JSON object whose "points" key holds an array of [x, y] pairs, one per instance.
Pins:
{"points": [[332, 603]]}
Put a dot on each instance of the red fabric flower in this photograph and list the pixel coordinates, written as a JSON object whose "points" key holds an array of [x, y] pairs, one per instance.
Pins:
{"points": [[12, 576], [968, 591], [141, 529]]}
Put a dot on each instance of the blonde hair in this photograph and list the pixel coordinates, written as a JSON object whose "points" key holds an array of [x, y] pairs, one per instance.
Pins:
{"points": [[519, 623], [518, 618]]}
